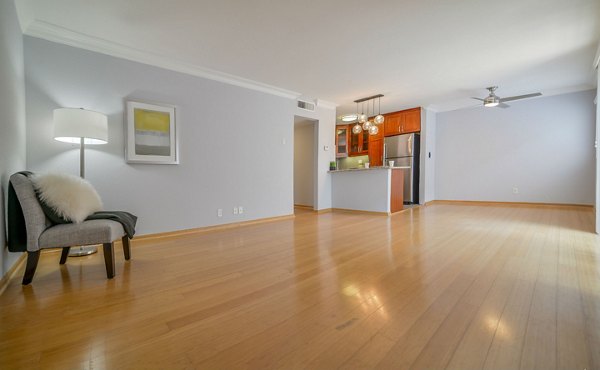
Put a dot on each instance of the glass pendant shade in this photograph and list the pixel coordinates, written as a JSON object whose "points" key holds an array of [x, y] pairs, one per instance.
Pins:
{"points": [[379, 119], [362, 118], [367, 125], [373, 130], [356, 129]]}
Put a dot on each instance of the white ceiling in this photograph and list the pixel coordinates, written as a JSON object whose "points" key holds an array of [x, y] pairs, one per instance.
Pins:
{"points": [[432, 53]]}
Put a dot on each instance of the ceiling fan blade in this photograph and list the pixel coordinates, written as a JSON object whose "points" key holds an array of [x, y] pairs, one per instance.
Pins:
{"points": [[503, 106], [477, 99], [511, 98]]}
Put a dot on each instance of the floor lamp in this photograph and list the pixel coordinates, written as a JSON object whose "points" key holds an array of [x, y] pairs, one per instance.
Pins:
{"points": [[84, 127]]}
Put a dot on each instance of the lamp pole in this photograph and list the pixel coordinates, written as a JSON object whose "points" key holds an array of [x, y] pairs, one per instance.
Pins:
{"points": [[82, 158]]}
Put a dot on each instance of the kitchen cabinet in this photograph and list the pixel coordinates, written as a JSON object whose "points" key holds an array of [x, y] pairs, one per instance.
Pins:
{"points": [[392, 124], [402, 122], [412, 120], [376, 152], [341, 141], [359, 143], [376, 148]]}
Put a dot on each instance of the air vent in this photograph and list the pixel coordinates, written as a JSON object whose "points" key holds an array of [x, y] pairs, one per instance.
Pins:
{"points": [[306, 105]]}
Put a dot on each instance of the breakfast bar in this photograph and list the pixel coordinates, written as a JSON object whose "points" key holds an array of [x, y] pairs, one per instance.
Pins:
{"points": [[373, 190]]}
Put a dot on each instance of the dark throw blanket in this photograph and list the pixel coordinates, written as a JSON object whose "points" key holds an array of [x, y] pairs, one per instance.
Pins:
{"points": [[16, 230], [124, 218]]}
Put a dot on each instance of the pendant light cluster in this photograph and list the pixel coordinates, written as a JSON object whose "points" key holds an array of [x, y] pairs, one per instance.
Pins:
{"points": [[363, 119]]}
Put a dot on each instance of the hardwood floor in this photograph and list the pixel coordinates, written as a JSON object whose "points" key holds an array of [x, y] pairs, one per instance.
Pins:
{"points": [[441, 286]]}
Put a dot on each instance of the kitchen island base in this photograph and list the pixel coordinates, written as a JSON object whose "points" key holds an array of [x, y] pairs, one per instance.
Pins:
{"points": [[373, 190]]}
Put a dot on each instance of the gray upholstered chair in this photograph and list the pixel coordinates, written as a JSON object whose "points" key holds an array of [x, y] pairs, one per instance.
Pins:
{"points": [[41, 234]]}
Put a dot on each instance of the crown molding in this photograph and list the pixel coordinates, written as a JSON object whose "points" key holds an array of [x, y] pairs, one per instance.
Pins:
{"points": [[54, 33]]}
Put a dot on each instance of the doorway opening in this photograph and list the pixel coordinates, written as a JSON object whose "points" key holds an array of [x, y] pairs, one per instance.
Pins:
{"points": [[305, 160]]}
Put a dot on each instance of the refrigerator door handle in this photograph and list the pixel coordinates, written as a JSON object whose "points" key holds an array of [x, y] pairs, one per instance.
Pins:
{"points": [[384, 153], [409, 143]]}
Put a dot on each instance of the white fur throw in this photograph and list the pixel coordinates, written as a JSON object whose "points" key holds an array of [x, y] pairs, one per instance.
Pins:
{"points": [[71, 197]]}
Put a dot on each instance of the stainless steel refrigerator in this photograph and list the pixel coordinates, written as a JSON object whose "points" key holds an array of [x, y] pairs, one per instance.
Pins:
{"points": [[404, 150]]}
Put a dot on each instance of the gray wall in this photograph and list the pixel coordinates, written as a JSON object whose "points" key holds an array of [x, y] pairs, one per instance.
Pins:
{"points": [[427, 174], [236, 144], [304, 163], [12, 114], [543, 146]]}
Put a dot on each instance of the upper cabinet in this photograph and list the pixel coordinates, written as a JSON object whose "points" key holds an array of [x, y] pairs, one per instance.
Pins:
{"points": [[341, 141], [402, 122], [412, 120], [359, 143]]}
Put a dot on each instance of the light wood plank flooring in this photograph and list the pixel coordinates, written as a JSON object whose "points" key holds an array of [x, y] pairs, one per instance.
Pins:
{"points": [[441, 286]]}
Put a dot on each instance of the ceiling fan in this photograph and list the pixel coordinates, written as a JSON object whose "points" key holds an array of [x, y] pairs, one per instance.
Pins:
{"points": [[494, 101]]}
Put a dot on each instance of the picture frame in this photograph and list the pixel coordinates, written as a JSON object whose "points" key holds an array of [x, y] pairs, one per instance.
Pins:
{"points": [[151, 133]]}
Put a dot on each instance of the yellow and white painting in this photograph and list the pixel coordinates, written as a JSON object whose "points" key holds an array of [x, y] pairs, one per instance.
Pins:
{"points": [[151, 133]]}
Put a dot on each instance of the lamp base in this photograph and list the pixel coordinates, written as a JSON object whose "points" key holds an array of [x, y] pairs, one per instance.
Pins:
{"points": [[82, 251]]}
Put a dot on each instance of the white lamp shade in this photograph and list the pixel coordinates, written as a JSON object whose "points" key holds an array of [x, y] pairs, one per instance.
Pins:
{"points": [[72, 124]]}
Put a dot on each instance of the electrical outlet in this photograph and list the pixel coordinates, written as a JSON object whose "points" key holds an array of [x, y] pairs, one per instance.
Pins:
{"points": [[515, 190], [235, 210], [220, 212], [240, 210]]}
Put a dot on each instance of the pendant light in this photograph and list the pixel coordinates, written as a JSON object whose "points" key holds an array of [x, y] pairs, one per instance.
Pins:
{"points": [[373, 129], [379, 118], [363, 117], [367, 123], [357, 129], [363, 123]]}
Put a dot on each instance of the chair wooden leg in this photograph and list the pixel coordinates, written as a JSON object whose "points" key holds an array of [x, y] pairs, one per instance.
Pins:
{"points": [[32, 262], [109, 259], [64, 255], [126, 247]]}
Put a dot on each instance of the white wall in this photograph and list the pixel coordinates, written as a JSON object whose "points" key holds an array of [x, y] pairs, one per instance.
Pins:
{"points": [[597, 188], [236, 144], [304, 163], [427, 173], [543, 146], [325, 117], [12, 115]]}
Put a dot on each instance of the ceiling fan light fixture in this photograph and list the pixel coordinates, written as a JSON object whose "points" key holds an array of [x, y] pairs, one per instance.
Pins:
{"points": [[491, 101]]}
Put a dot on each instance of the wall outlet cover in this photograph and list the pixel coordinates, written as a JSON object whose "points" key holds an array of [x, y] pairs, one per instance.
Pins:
{"points": [[240, 210], [235, 210]]}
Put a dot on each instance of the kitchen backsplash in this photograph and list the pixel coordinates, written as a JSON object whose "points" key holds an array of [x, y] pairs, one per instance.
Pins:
{"points": [[352, 162]]}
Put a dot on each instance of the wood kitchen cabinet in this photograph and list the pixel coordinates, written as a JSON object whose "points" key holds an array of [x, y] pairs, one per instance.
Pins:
{"points": [[341, 141], [376, 148], [359, 143], [376, 152], [402, 122], [412, 120]]}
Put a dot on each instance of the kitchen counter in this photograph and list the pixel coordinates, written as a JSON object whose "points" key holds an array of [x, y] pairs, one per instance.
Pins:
{"points": [[370, 168], [374, 190]]}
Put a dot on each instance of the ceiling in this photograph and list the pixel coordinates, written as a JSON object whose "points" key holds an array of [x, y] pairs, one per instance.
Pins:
{"points": [[430, 53]]}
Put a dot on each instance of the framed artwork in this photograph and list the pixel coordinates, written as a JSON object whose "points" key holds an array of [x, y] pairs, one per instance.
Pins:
{"points": [[151, 134]]}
